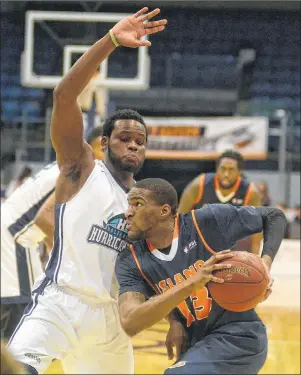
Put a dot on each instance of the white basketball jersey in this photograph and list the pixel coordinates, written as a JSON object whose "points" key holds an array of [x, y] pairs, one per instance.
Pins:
{"points": [[90, 231], [19, 265]]}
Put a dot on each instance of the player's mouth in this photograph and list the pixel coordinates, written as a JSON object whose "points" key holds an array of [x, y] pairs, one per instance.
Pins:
{"points": [[129, 225], [132, 158]]}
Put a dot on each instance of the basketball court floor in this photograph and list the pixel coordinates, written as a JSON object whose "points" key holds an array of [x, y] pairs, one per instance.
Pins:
{"points": [[280, 313]]}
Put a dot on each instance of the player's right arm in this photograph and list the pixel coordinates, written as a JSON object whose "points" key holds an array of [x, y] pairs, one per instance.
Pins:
{"points": [[136, 312], [190, 195], [74, 155]]}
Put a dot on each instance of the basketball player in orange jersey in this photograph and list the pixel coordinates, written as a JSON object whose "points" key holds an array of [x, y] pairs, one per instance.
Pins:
{"points": [[172, 258], [226, 185]]}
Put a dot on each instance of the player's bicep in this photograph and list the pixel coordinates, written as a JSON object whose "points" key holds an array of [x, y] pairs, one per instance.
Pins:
{"points": [[66, 130], [130, 300]]}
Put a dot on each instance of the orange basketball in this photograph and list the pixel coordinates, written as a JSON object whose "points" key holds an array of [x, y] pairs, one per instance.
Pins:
{"points": [[245, 282]]}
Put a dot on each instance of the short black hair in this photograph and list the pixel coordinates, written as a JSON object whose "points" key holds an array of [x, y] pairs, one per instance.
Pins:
{"points": [[162, 192], [94, 133], [122, 114], [232, 154]]}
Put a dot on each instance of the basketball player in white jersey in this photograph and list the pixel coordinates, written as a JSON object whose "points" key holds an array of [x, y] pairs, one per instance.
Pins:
{"points": [[73, 316], [20, 238]]}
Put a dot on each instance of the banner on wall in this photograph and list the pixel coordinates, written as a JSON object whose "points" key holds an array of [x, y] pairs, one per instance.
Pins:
{"points": [[205, 138]]}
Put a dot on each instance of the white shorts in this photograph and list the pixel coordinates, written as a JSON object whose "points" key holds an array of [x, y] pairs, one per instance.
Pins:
{"points": [[85, 337]]}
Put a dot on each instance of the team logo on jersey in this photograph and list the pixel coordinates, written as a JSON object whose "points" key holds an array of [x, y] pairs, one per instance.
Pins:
{"points": [[112, 234], [190, 246]]}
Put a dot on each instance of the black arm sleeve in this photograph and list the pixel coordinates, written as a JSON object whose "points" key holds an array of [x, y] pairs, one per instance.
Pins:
{"points": [[274, 226], [224, 224]]}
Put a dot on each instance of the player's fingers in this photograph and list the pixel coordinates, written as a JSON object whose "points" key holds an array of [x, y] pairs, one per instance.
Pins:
{"points": [[221, 266], [154, 30], [169, 348], [219, 256], [178, 350], [143, 43], [271, 282], [141, 11], [155, 24], [216, 279], [150, 15]]}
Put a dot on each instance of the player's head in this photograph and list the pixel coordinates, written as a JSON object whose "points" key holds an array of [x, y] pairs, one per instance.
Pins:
{"points": [[229, 167], [152, 202], [124, 140], [94, 140]]}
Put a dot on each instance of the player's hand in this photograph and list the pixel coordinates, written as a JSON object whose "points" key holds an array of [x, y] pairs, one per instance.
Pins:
{"points": [[204, 275], [176, 337], [130, 29], [270, 281]]}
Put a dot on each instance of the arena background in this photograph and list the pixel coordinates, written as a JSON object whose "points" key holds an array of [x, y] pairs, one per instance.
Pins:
{"points": [[223, 74]]}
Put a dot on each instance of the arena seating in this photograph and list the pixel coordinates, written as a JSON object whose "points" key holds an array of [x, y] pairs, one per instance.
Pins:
{"points": [[206, 59]]}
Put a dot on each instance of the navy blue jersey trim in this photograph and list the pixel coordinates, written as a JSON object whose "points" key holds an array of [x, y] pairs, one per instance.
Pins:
{"points": [[14, 300], [57, 250], [27, 217], [31, 306], [23, 272], [117, 180]]}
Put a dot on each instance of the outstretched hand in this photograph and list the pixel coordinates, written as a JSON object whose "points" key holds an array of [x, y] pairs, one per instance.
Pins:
{"points": [[130, 29]]}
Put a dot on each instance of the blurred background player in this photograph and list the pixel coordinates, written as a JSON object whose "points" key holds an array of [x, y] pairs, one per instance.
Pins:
{"points": [[22, 231], [172, 257], [75, 301], [263, 191], [226, 185]]}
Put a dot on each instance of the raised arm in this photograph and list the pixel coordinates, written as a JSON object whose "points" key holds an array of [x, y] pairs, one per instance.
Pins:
{"points": [[73, 153], [190, 196]]}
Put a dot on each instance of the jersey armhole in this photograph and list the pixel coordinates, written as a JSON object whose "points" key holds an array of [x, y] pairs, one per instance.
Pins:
{"points": [[200, 233], [140, 270], [201, 189]]}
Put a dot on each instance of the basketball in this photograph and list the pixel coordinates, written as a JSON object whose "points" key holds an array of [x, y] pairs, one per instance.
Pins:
{"points": [[245, 282]]}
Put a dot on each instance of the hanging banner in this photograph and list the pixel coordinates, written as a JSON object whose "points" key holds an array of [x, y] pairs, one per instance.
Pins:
{"points": [[205, 138]]}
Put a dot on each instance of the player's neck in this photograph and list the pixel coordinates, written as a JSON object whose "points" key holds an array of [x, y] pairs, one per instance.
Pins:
{"points": [[124, 177], [226, 191], [162, 236]]}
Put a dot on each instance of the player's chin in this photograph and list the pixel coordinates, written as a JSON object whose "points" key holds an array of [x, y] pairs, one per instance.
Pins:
{"points": [[134, 235], [132, 167]]}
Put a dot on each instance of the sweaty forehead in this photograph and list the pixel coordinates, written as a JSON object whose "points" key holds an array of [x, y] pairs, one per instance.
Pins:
{"points": [[132, 126], [228, 162]]}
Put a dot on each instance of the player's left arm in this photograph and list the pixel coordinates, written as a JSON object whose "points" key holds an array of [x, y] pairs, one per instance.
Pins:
{"points": [[225, 224], [256, 239]]}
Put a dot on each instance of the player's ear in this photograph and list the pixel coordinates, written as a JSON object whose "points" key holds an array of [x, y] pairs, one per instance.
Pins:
{"points": [[104, 142], [165, 210]]}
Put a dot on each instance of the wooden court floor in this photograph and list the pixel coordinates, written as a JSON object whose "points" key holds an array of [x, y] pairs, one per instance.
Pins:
{"points": [[280, 313]]}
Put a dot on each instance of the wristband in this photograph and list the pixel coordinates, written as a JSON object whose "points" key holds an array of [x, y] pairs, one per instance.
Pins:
{"points": [[116, 44]]}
